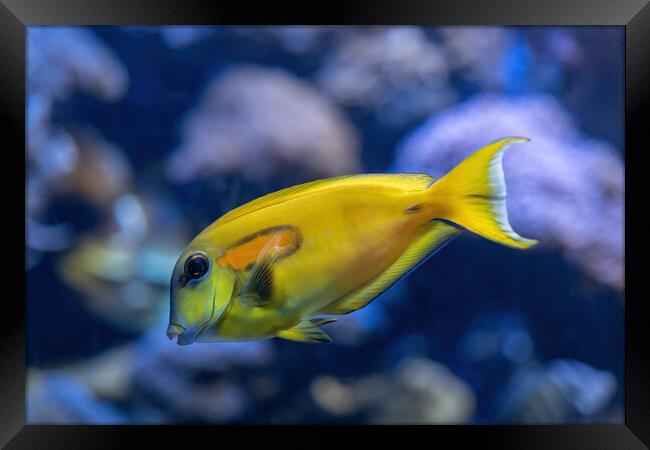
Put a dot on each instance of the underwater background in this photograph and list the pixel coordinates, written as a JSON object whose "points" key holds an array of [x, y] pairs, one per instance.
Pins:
{"points": [[139, 137]]}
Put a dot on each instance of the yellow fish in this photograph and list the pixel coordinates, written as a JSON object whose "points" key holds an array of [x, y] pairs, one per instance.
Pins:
{"points": [[329, 247]]}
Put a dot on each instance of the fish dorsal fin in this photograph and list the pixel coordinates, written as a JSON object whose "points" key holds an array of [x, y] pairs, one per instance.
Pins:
{"points": [[410, 181], [432, 237], [307, 331]]}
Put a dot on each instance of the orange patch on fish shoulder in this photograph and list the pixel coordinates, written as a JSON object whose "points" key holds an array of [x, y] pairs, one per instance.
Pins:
{"points": [[244, 252]]}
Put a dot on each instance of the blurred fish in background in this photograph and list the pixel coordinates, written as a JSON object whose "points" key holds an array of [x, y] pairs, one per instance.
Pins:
{"points": [[139, 137]]}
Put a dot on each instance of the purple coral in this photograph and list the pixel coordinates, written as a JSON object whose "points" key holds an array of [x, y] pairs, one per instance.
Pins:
{"points": [[477, 53], [262, 122], [63, 59], [398, 74], [560, 391]]}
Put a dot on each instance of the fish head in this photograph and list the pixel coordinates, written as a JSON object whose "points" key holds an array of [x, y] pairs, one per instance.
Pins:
{"points": [[200, 291]]}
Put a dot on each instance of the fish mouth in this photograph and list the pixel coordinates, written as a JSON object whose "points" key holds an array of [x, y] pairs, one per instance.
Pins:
{"points": [[174, 330], [186, 336]]}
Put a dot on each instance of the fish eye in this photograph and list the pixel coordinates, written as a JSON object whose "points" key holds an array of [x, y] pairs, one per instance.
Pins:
{"points": [[196, 265]]}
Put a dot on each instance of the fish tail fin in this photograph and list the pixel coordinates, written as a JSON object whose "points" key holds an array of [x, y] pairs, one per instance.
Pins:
{"points": [[473, 195]]}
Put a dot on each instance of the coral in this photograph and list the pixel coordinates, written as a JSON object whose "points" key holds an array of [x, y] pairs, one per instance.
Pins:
{"points": [[180, 36], [560, 391], [121, 281], [477, 53], [261, 122], [418, 391], [101, 172], [59, 398], [60, 62], [425, 392], [398, 74], [62, 59], [295, 39]]}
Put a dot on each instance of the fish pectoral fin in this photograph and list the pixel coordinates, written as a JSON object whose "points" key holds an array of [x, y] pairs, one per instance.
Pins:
{"points": [[431, 238], [307, 331], [258, 287]]}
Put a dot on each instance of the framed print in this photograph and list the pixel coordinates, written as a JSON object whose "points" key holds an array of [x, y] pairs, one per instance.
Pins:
{"points": [[390, 215]]}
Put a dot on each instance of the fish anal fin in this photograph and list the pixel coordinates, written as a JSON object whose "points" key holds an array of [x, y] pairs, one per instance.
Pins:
{"points": [[431, 237], [307, 331]]}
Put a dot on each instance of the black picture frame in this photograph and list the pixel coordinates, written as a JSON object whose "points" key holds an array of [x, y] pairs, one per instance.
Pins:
{"points": [[633, 15]]}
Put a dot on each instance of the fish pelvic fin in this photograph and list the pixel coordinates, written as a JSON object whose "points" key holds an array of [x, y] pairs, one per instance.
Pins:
{"points": [[473, 195], [307, 331]]}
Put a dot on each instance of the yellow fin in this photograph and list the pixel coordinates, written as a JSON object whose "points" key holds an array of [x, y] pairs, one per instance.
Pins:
{"points": [[431, 237], [415, 181], [473, 195], [307, 331]]}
